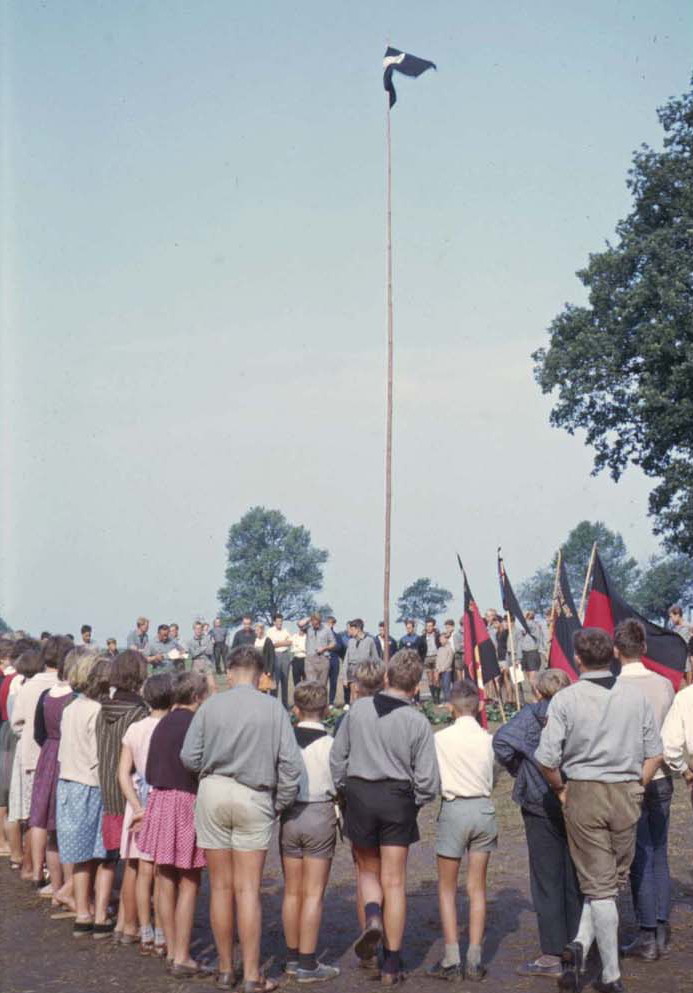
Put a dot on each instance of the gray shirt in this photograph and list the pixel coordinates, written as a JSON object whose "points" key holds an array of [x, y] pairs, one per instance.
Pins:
{"points": [[161, 648], [246, 735], [599, 729], [137, 639], [318, 639], [360, 650], [201, 648], [385, 737]]}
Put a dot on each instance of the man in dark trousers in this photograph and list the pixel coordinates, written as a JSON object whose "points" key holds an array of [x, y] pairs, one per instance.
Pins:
{"points": [[599, 750]]}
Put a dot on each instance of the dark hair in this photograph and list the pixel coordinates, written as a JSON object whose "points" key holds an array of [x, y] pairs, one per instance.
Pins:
{"points": [[594, 648], [331, 617], [45, 634], [29, 663], [676, 610], [275, 616], [22, 645], [464, 696], [158, 691], [85, 628], [54, 652], [405, 670], [5, 648], [163, 627], [129, 670], [99, 678], [246, 657], [245, 617], [450, 621], [430, 620], [356, 623], [189, 687], [629, 639]]}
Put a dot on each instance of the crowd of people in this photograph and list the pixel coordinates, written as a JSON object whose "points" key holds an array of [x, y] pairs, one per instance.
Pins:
{"points": [[153, 764]]}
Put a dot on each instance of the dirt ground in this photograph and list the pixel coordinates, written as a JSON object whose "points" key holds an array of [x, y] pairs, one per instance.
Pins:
{"points": [[38, 955]]}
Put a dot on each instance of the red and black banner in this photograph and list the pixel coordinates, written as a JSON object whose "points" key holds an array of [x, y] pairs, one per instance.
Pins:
{"points": [[666, 650], [565, 622], [479, 650], [510, 604]]}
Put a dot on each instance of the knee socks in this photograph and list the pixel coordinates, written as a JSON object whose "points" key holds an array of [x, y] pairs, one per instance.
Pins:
{"points": [[605, 920], [585, 933]]}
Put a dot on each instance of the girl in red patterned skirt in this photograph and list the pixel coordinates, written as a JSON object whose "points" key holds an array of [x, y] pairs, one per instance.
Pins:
{"points": [[168, 826]]}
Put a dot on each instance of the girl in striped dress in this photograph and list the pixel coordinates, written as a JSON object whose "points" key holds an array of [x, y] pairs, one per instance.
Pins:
{"points": [[168, 826]]}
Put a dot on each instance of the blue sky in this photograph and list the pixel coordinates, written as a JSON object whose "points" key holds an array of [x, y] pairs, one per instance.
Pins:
{"points": [[193, 299]]}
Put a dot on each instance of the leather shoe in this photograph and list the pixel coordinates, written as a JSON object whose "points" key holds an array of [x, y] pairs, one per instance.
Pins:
{"points": [[641, 948], [572, 958], [663, 939], [367, 942], [391, 978], [614, 987]]}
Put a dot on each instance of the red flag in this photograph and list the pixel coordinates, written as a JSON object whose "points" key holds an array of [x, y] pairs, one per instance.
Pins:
{"points": [[565, 623], [666, 651], [479, 650]]}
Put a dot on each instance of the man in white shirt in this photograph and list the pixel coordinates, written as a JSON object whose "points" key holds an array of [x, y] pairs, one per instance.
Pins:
{"points": [[466, 825], [281, 639], [649, 872]]}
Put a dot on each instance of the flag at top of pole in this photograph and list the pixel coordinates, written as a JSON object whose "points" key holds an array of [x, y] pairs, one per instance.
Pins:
{"points": [[408, 65]]}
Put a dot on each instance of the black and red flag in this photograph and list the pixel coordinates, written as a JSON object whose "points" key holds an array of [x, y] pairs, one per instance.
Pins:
{"points": [[565, 622], [510, 604], [479, 650], [666, 650]]}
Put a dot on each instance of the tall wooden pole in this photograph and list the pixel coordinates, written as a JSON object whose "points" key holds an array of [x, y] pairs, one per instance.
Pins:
{"points": [[515, 664], [390, 379], [554, 597], [588, 577]]}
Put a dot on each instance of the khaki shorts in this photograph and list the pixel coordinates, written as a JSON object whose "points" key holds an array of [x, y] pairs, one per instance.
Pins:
{"points": [[231, 815], [203, 666], [317, 668], [601, 821]]}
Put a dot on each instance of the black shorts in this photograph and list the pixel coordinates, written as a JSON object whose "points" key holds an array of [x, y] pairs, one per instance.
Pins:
{"points": [[531, 660], [380, 813]]}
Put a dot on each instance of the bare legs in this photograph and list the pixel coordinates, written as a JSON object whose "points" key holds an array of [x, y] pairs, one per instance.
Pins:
{"points": [[236, 875], [305, 881], [382, 873], [177, 897], [448, 871], [127, 910]]}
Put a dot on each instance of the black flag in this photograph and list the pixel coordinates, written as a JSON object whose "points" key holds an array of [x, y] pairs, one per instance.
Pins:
{"points": [[510, 604], [408, 65]]}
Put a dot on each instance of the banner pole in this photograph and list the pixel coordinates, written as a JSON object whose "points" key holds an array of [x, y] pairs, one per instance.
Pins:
{"points": [[390, 378], [552, 617], [588, 577], [511, 638]]}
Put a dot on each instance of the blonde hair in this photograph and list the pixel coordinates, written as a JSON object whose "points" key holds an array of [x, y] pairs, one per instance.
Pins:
{"points": [[78, 665], [405, 670], [310, 697], [370, 678], [550, 681]]}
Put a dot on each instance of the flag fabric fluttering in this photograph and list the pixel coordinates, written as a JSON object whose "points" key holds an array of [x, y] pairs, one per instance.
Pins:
{"points": [[479, 651], [565, 622], [408, 65], [510, 604], [666, 650]]}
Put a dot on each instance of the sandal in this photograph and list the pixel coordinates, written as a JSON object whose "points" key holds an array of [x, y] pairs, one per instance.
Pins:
{"points": [[63, 915], [185, 971], [104, 930], [259, 986], [80, 928], [147, 948]]}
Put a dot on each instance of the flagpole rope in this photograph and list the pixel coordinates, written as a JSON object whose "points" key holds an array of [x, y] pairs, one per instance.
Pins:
{"points": [[389, 388]]}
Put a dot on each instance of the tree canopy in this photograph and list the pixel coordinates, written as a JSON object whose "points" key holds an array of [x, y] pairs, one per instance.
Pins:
{"points": [[272, 567], [4, 627], [422, 599], [665, 582], [622, 366]]}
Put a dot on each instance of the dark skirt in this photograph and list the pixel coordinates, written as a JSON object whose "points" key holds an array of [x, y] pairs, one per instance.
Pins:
{"points": [[42, 814], [8, 745]]}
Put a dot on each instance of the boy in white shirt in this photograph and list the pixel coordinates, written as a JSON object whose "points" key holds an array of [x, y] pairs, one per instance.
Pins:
{"points": [[307, 839], [466, 825]]}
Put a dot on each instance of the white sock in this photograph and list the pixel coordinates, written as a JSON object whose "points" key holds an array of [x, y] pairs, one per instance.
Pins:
{"points": [[452, 955], [605, 918], [585, 933]]}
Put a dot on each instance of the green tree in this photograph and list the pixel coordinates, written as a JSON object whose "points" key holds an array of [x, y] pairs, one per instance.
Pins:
{"points": [[272, 566], [421, 600], [4, 627], [622, 366], [536, 592], [621, 566], [665, 581]]}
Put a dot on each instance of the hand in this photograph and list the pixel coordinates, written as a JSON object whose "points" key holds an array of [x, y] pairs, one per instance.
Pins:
{"points": [[137, 816], [562, 795]]}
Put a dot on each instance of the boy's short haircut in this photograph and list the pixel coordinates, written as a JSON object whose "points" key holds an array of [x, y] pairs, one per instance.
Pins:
{"points": [[332, 618], [310, 697], [464, 696], [246, 657], [594, 648], [29, 663], [141, 621], [129, 670], [629, 638], [277, 617], [430, 620], [449, 622], [356, 623], [78, 666], [405, 670], [99, 679], [316, 617], [85, 628], [550, 681], [157, 691], [111, 641], [189, 687], [369, 677], [676, 611], [54, 651], [163, 627]]}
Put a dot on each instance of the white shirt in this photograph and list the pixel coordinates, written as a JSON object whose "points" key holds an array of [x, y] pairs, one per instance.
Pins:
{"points": [[276, 634], [77, 754], [316, 785], [298, 644], [677, 730], [465, 759], [658, 691], [24, 712]]}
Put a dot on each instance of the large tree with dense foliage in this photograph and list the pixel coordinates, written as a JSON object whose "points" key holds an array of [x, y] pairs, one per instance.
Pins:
{"points": [[666, 581], [422, 599], [272, 566], [4, 627], [622, 366]]}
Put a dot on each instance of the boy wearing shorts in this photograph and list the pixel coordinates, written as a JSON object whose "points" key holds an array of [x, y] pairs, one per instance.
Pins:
{"points": [[307, 839], [466, 826], [384, 760]]}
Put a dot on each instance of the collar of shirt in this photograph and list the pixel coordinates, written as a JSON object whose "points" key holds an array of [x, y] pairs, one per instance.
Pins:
{"points": [[315, 725], [468, 720], [597, 674], [634, 669]]}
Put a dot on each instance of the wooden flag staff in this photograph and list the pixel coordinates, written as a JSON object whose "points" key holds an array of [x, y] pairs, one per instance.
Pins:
{"points": [[588, 578], [554, 597], [390, 381], [511, 639]]}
